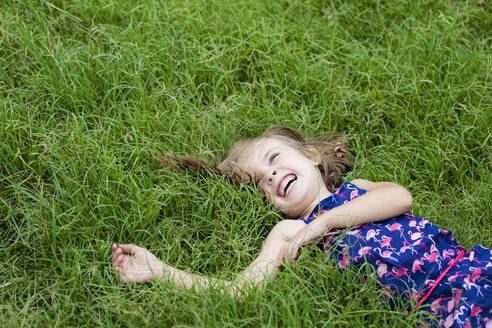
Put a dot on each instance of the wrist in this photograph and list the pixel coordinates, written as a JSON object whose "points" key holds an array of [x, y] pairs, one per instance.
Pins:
{"points": [[158, 270], [317, 230]]}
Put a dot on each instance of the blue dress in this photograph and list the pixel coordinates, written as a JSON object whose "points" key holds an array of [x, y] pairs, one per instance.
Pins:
{"points": [[416, 260]]}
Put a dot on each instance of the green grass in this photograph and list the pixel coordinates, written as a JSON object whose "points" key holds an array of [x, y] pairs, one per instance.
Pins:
{"points": [[409, 82]]}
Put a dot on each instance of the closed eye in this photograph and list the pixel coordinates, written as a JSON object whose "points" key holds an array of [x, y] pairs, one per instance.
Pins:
{"points": [[272, 157]]}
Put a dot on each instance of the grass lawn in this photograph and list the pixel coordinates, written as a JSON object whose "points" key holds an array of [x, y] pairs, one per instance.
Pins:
{"points": [[91, 91]]}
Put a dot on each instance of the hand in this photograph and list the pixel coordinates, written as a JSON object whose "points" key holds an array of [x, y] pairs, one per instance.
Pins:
{"points": [[135, 264], [290, 251], [307, 235]]}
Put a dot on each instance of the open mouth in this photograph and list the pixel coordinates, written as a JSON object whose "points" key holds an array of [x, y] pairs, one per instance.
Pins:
{"points": [[285, 184]]}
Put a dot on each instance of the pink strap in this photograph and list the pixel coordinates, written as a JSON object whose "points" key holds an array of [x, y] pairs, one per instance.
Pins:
{"points": [[451, 264]]}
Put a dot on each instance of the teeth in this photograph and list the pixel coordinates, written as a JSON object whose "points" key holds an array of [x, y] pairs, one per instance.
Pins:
{"points": [[291, 179]]}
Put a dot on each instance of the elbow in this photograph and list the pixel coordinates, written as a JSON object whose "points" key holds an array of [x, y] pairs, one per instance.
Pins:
{"points": [[234, 289], [405, 199]]}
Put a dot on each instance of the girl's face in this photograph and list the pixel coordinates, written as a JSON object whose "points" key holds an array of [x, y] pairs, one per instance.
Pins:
{"points": [[289, 179]]}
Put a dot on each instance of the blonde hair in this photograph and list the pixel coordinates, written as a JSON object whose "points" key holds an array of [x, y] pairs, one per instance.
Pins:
{"points": [[332, 156]]}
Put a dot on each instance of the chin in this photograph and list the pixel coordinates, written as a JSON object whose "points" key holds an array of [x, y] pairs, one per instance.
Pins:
{"points": [[289, 213]]}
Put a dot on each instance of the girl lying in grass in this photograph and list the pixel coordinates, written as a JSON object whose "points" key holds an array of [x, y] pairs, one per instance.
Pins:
{"points": [[359, 222]]}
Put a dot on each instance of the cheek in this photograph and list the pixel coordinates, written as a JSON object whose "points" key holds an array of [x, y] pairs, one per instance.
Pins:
{"points": [[269, 198], [265, 195]]}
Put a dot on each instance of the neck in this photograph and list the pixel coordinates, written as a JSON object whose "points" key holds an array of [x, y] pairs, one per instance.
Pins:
{"points": [[323, 193]]}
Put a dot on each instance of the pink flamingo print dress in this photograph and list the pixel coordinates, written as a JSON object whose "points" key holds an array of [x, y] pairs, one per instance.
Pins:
{"points": [[416, 260]]}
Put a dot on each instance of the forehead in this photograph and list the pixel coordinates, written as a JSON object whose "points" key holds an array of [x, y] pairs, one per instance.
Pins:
{"points": [[255, 154], [258, 149]]}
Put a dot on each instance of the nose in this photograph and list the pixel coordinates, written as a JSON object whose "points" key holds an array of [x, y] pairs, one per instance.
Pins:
{"points": [[270, 178]]}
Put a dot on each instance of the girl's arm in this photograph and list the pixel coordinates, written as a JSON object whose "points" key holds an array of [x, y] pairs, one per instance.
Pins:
{"points": [[136, 264], [383, 200]]}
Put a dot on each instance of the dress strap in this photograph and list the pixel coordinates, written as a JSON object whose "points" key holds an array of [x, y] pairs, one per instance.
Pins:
{"points": [[451, 264]]}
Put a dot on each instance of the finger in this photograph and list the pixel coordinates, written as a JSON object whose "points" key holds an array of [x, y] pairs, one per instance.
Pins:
{"points": [[286, 256], [114, 247], [116, 253], [129, 248], [294, 251], [292, 257], [114, 263], [281, 255], [118, 271], [119, 261], [297, 243]]}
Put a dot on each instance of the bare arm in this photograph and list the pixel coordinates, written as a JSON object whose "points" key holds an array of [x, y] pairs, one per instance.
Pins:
{"points": [[136, 264], [383, 200]]}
